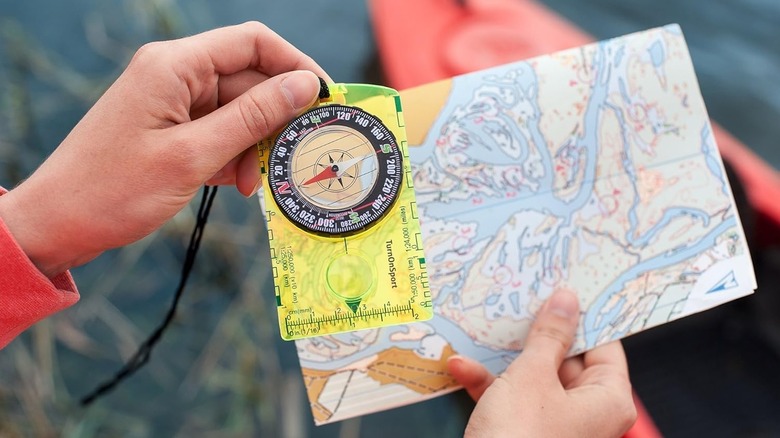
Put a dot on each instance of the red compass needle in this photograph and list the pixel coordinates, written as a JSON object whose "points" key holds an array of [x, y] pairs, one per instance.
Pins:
{"points": [[336, 170], [328, 173]]}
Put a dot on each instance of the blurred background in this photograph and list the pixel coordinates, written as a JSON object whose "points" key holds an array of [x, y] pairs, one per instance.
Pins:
{"points": [[221, 369]]}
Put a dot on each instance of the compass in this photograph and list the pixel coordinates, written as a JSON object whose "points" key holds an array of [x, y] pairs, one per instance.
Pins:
{"points": [[335, 170], [340, 209]]}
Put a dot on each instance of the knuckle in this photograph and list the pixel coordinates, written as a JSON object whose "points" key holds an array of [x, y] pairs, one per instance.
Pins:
{"points": [[256, 115], [256, 26], [148, 53], [552, 333]]}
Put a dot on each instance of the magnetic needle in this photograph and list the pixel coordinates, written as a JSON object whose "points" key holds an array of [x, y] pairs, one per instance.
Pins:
{"points": [[335, 170]]}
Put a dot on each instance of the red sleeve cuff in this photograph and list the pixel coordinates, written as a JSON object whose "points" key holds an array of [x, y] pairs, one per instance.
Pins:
{"points": [[26, 295]]}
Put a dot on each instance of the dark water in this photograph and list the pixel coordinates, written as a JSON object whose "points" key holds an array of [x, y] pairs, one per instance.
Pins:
{"points": [[221, 369]]}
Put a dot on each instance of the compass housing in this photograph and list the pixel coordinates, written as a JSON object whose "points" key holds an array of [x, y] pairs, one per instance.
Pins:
{"points": [[335, 170]]}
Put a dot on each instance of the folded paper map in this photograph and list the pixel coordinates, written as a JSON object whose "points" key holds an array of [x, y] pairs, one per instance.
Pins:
{"points": [[593, 169]]}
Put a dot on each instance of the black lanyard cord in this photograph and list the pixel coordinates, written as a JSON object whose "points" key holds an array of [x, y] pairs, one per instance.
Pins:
{"points": [[145, 349]]}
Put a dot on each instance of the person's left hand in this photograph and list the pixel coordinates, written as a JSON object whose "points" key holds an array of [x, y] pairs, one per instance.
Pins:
{"points": [[541, 394], [184, 112]]}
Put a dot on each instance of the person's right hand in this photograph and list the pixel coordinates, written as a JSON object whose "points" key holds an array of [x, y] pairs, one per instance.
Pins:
{"points": [[184, 112], [540, 394]]}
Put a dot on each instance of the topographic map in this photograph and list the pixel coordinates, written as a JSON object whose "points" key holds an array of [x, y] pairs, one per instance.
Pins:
{"points": [[593, 169]]}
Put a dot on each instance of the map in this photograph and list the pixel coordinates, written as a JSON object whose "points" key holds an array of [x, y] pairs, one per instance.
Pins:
{"points": [[593, 169]]}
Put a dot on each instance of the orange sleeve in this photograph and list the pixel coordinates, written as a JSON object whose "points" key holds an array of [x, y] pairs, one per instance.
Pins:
{"points": [[26, 295]]}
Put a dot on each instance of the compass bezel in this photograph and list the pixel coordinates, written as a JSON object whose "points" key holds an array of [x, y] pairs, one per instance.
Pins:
{"points": [[340, 222]]}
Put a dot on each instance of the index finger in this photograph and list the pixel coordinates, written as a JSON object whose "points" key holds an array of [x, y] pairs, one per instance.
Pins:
{"points": [[254, 46]]}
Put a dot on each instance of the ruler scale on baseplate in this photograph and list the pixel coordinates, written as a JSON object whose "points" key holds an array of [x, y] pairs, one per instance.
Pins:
{"points": [[346, 248]]}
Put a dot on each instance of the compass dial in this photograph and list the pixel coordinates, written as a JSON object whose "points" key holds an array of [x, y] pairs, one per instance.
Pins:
{"points": [[335, 170]]}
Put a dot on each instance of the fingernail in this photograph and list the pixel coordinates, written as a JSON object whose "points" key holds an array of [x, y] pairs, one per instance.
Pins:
{"points": [[255, 188], [300, 88], [564, 304], [454, 363]]}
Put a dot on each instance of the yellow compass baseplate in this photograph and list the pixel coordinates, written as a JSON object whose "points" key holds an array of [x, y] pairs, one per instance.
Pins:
{"points": [[344, 234]]}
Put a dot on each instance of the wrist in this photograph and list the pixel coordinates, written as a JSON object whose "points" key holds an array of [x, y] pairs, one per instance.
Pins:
{"points": [[33, 237]]}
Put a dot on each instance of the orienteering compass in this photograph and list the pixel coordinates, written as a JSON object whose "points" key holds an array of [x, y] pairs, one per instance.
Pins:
{"points": [[335, 170], [344, 234]]}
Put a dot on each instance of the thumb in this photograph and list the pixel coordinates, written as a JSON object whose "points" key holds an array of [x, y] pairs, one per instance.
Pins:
{"points": [[551, 335], [256, 114]]}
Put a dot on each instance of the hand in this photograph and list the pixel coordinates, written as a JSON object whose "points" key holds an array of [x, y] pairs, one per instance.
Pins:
{"points": [[541, 394], [183, 113]]}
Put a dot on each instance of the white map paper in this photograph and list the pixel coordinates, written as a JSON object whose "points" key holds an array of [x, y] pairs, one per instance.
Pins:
{"points": [[593, 169]]}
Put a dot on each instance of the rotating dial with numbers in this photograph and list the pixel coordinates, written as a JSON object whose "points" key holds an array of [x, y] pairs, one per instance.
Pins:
{"points": [[335, 170]]}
